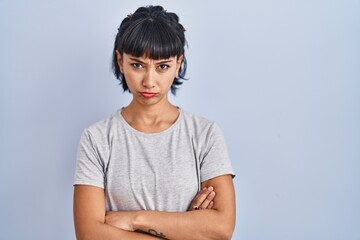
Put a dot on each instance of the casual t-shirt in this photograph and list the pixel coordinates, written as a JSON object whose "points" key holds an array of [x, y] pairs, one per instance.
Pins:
{"points": [[151, 171]]}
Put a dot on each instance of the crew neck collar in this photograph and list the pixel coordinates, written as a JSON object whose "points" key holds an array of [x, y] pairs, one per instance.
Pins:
{"points": [[129, 127]]}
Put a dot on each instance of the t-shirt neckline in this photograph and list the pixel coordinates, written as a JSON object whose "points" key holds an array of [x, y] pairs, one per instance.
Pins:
{"points": [[133, 130]]}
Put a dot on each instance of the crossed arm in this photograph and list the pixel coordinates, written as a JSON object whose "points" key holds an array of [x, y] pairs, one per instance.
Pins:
{"points": [[216, 220]]}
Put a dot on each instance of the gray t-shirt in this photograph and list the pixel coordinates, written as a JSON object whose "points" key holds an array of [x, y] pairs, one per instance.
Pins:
{"points": [[151, 171]]}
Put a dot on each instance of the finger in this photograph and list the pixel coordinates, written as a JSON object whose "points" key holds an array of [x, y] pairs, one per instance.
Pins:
{"points": [[199, 193], [211, 205], [193, 205], [202, 197], [195, 202], [207, 201]]}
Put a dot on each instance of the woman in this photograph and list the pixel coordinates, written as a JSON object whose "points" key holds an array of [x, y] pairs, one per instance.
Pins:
{"points": [[151, 169]]}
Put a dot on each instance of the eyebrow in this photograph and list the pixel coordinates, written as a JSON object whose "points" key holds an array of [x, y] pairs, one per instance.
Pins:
{"points": [[138, 60]]}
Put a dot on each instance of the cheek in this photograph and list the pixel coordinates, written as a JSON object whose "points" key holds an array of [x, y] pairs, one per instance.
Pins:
{"points": [[131, 77], [130, 82], [171, 75], [169, 79]]}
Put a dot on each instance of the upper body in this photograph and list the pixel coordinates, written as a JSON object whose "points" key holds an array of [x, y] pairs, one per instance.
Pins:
{"points": [[139, 171], [134, 155]]}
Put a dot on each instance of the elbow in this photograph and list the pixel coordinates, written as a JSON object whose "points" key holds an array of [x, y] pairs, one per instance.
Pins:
{"points": [[223, 231], [87, 231], [220, 232], [84, 236], [226, 232]]}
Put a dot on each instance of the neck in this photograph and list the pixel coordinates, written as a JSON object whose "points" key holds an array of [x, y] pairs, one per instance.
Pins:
{"points": [[139, 114]]}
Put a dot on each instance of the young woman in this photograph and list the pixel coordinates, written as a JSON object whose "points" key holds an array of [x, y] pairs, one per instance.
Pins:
{"points": [[152, 170]]}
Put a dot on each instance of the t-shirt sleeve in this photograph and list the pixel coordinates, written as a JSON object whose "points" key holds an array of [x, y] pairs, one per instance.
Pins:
{"points": [[89, 166], [215, 161]]}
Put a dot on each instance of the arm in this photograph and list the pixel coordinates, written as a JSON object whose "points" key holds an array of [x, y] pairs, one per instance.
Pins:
{"points": [[89, 217], [216, 223]]}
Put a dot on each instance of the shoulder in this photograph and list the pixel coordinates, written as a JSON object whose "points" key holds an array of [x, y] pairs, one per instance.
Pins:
{"points": [[103, 128], [196, 119], [200, 124]]}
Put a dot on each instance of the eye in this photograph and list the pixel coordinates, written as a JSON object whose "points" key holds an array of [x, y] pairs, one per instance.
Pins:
{"points": [[163, 66], [137, 65]]}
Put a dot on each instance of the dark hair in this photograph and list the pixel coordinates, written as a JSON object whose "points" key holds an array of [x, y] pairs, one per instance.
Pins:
{"points": [[152, 32]]}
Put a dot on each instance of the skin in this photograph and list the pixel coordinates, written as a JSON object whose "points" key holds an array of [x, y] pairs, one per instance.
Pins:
{"points": [[215, 218], [92, 222], [216, 223], [147, 75]]}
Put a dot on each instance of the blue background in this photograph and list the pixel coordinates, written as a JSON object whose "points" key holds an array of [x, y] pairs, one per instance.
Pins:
{"points": [[281, 78]]}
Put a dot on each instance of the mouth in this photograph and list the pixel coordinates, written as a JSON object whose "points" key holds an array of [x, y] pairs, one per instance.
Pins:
{"points": [[148, 94]]}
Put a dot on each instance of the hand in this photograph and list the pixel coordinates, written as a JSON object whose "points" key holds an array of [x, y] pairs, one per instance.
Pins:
{"points": [[121, 219], [203, 200]]}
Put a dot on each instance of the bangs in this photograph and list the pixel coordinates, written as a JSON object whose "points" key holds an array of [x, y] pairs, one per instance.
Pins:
{"points": [[152, 39], [154, 33]]}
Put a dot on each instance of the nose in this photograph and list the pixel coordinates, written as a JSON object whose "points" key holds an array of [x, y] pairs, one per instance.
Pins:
{"points": [[149, 80]]}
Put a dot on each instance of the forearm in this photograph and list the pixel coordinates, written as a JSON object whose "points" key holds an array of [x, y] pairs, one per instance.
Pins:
{"points": [[102, 231], [206, 224], [197, 225]]}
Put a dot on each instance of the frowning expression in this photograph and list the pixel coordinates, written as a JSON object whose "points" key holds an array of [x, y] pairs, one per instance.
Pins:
{"points": [[149, 80]]}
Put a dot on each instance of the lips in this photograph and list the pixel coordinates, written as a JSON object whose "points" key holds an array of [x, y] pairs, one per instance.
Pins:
{"points": [[148, 94]]}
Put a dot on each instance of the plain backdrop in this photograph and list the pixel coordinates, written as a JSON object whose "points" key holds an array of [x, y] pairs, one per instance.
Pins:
{"points": [[280, 77]]}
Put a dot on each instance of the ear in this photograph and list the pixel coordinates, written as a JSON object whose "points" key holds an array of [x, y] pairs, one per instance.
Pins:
{"points": [[178, 64], [119, 61]]}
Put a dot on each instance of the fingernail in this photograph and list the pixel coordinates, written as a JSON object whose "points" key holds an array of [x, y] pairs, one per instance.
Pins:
{"points": [[210, 188], [212, 193], [204, 188]]}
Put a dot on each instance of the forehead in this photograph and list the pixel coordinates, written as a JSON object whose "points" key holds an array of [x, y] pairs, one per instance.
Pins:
{"points": [[144, 58]]}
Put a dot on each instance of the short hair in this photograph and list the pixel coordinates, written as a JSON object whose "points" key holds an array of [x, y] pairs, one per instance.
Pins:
{"points": [[154, 33]]}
